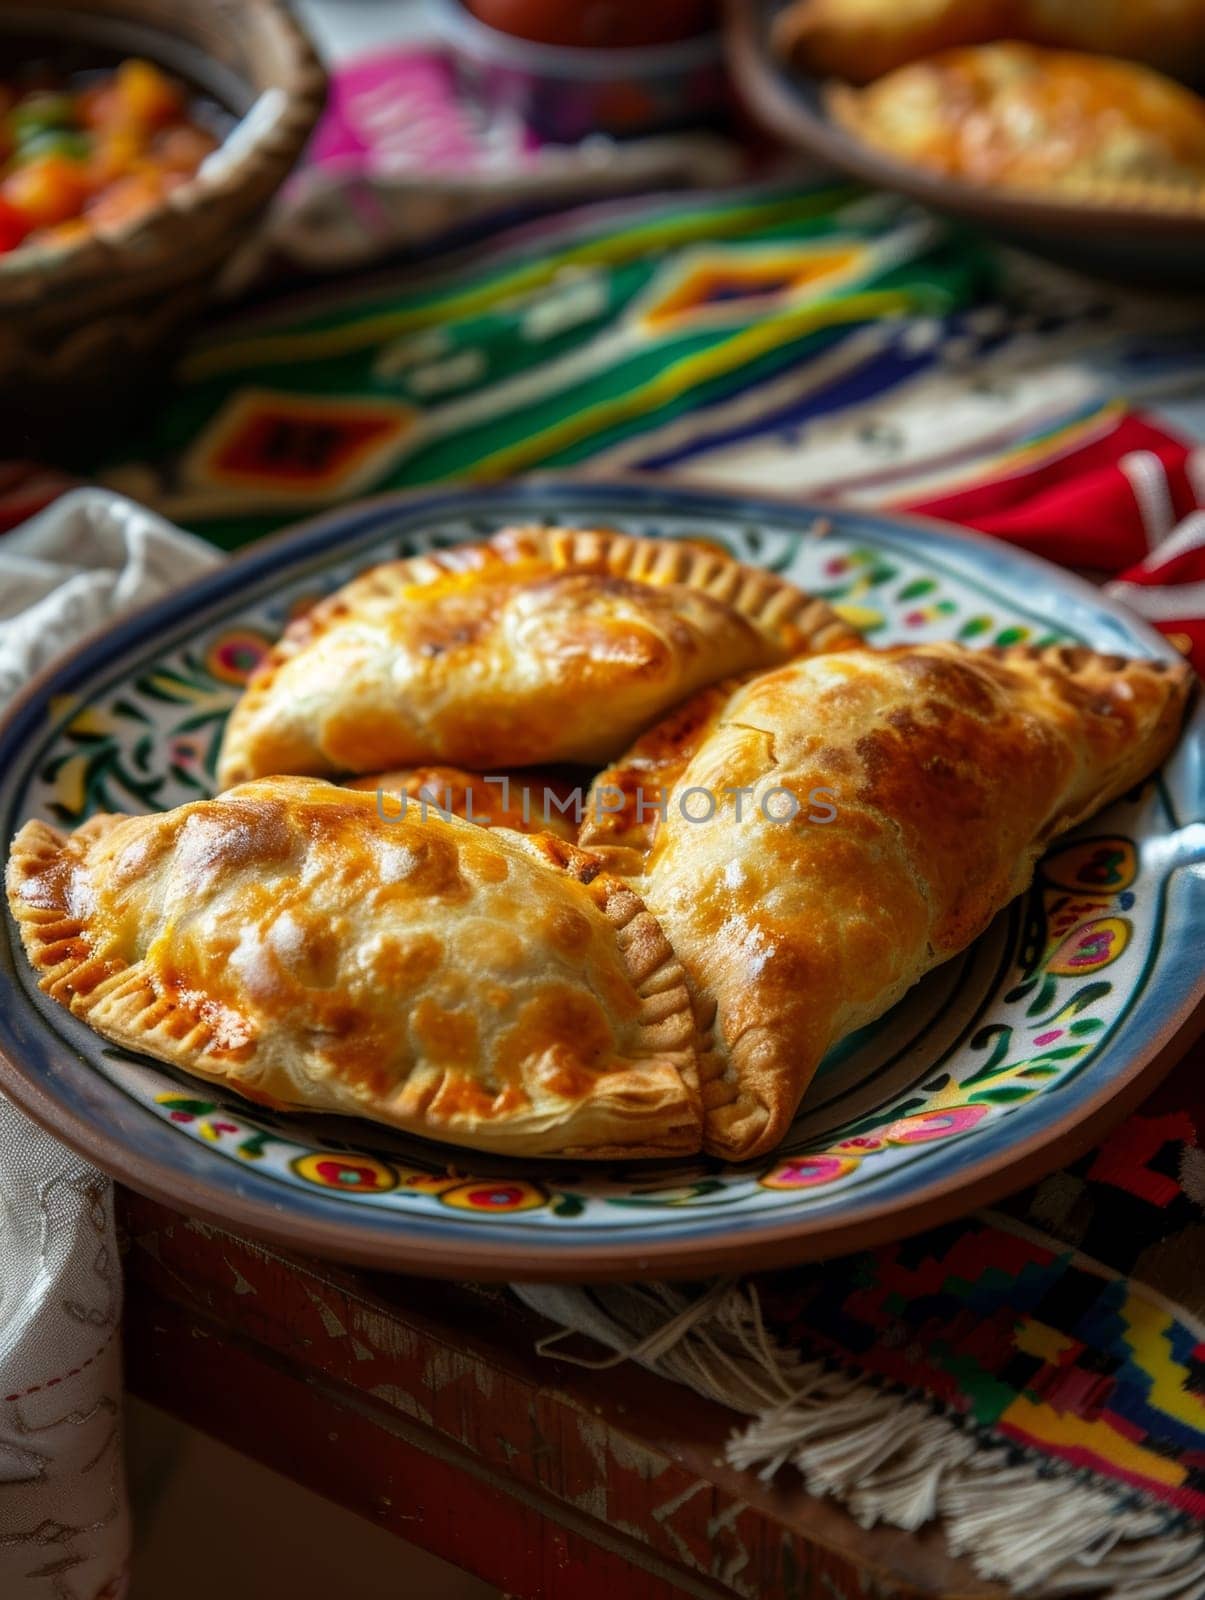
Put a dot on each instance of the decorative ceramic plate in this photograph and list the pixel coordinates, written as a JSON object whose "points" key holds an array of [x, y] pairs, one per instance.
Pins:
{"points": [[1003, 1064], [1128, 241]]}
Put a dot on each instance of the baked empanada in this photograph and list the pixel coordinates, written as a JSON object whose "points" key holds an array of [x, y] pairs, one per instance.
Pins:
{"points": [[542, 645], [624, 805], [860, 40], [469, 984], [526, 802], [860, 818], [1018, 117]]}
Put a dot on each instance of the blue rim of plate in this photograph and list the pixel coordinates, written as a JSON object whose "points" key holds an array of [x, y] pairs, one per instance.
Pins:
{"points": [[44, 1069]]}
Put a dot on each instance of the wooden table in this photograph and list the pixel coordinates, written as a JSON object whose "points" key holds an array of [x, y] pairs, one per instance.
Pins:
{"points": [[424, 1407]]}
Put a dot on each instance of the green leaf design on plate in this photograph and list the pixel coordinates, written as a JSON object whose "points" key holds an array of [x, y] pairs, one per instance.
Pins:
{"points": [[1081, 1000], [917, 588], [1043, 997], [999, 1036], [974, 626], [253, 1146]]}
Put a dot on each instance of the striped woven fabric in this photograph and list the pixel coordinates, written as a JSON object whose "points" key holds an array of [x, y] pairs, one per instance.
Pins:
{"points": [[819, 342], [562, 341]]}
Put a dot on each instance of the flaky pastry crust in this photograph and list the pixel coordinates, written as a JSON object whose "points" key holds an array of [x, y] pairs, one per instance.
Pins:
{"points": [[944, 774], [860, 40], [469, 984], [528, 801], [540, 645], [1017, 117]]}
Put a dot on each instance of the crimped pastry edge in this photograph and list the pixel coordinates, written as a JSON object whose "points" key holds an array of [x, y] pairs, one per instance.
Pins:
{"points": [[771, 604], [136, 1016]]}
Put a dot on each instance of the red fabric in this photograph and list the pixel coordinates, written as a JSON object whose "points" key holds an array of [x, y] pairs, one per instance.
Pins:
{"points": [[25, 488], [1082, 509], [1079, 509]]}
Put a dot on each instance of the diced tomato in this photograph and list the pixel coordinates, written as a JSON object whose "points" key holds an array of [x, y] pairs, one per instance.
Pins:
{"points": [[97, 155], [148, 97], [115, 152], [125, 199], [182, 148], [47, 190], [13, 226], [97, 105]]}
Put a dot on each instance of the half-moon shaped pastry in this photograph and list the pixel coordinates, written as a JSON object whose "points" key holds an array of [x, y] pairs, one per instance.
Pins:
{"points": [[531, 801], [871, 811], [1018, 117], [542, 645], [860, 40], [469, 984]]}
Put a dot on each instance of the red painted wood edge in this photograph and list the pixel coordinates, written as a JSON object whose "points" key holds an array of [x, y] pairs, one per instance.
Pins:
{"points": [[438, 1385], [392, 1471]]}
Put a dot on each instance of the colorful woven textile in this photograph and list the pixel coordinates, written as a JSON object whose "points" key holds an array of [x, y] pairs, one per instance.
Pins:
{"points": [[829, 344], [557, 342], [1071, 1322], [819, 342]]}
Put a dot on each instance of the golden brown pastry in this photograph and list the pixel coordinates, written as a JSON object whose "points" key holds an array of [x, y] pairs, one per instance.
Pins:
{"points": [[623, 808], [542, 645], [860, 40], [1046, 122], [472, 985], [872, 811], [530, 801]]}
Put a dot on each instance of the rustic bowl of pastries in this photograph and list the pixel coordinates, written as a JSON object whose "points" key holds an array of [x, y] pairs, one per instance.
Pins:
{"points": [[1076, 131], [139, 144]]}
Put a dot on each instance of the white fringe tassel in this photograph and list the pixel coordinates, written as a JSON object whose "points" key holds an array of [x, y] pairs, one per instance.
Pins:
{"points": [[1042, 1529]]}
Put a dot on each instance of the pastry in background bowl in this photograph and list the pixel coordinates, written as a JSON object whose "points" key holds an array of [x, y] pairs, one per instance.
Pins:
{"points": [[1046, 123], [860, 40]]}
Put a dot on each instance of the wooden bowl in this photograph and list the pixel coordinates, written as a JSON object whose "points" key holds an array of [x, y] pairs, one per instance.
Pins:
{"points": [[1134, 242], [85, 326]]}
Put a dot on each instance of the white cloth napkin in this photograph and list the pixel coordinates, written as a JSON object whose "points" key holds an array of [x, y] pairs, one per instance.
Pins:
{"points": [[64, 1523]]}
